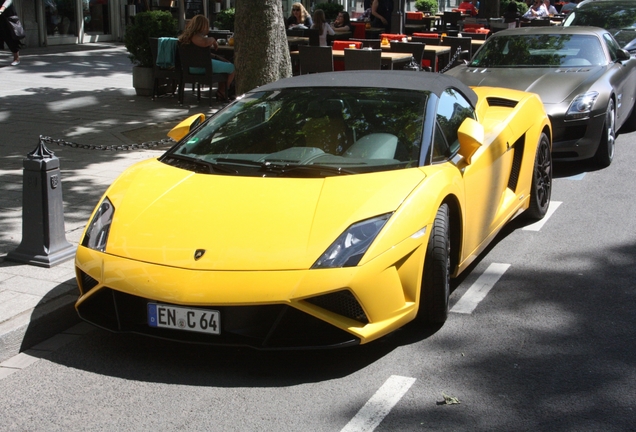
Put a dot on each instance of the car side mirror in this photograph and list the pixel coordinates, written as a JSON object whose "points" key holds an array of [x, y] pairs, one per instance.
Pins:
{"points": [[182, 129], [471, 136], [623, 55]]}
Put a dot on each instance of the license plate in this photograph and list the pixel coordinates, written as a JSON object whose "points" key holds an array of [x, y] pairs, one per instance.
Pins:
{"points": [[184, 318]]}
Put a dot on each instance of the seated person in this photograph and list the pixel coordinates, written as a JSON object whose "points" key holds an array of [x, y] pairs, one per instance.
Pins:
{"points": [[551, 9], [320, 24], [537, 10], [299, 17], [196, 32], [468, 6], [342, 24]]}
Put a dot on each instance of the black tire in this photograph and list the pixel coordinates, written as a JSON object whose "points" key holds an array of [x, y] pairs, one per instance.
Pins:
{"points": [[605, 152], [436, 279], [541, 180]]}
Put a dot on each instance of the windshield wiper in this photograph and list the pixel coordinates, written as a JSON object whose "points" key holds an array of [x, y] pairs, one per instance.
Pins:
{"points": [[197, 165], [286, 168], [319, 170]]}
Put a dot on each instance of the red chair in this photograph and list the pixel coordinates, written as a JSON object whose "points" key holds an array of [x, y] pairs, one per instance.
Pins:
{"points": [[392, 37], [342, 44], [427, 35], [338, 65], [359, 30], [414, 15]]}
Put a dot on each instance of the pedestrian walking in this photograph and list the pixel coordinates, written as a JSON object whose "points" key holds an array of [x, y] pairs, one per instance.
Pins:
{"points": [[11, 30]]}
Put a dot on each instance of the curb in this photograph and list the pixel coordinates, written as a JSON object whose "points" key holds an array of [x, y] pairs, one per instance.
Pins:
{"points": [[37, 324]]}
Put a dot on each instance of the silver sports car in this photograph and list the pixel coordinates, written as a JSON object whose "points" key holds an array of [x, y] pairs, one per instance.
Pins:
{"points": [[586, 82]]}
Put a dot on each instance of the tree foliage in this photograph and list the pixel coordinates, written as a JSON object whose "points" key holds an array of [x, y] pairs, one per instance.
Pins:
{"points": [[260, 44], [331, 9]]}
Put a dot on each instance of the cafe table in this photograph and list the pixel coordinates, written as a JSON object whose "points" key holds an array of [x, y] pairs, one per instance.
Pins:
{"points": [[437, 55], [389, 59]]}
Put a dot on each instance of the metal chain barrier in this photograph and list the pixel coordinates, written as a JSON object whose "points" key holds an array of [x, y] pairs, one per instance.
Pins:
{"points": [[452, 61], [124, 147]]}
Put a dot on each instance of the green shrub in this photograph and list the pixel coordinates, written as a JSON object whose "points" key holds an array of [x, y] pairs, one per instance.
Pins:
{"points": [[147, 25], [225, 20], [426, 5], [331, 10]]}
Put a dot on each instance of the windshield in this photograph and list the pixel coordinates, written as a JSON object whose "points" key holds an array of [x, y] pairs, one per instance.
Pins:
{"points": [[618, 18], [308, 132], [540, 50]]}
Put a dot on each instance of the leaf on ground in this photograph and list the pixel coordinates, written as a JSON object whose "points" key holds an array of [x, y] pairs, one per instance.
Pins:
{"points": [[450, 400]]}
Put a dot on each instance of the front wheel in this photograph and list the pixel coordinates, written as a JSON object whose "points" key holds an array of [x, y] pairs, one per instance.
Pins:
{"points": [[605, 152], [435, 288], [541, 180]]}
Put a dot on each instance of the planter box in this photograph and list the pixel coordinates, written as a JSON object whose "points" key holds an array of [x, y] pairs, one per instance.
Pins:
{"points": [[142, 80]]}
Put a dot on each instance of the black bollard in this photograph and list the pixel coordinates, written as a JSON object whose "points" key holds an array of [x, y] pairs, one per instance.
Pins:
{"points": [[43, 238]]}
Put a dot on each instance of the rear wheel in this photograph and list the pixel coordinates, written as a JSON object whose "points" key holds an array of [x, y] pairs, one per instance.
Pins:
{"points": [[605, 152], [436, 279], [541, 180]]}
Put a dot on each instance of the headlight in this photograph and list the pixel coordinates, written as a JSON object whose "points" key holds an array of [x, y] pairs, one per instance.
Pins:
{"points": [[97, 233], [348, 249], [581, 106]]}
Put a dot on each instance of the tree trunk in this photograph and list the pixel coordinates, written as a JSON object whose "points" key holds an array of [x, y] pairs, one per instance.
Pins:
{"points": [[261, 54]]}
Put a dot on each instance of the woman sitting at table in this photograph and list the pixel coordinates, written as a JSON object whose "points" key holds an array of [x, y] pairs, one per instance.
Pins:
{"points": [[196, 32], [299, 17], [342, 24], [320, 24]]}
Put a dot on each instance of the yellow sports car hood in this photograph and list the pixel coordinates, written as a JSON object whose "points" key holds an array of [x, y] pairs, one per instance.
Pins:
{"points": [[163, 215]]}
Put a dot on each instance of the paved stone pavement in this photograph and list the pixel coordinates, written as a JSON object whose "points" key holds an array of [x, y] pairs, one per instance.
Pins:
{"points": [[80, 94]]}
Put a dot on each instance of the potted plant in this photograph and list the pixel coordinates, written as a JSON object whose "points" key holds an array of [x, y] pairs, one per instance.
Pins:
{"points": [[137, 42], [331, 10], [225, 20], [426, 5]]}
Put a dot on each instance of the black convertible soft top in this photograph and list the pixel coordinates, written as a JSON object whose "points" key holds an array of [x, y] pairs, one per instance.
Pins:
{"points": [[391, 79]]}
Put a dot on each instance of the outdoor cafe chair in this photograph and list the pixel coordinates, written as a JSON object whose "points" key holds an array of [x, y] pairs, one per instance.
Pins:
{"points": [[170, 70], [426, 40], [196, 68], [314, 37], [464, 44], [362, 59], [414, 48], [315, 59]]}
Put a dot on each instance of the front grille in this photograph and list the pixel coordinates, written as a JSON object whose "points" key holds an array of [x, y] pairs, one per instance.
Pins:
{"points": [[267, 327], [341, 302]]}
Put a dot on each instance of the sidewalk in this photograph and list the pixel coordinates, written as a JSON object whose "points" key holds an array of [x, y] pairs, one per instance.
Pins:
{"points": [[81, 94]]}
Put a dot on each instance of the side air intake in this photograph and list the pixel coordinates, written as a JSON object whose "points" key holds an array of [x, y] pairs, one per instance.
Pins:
{"points": [[341, 302]]}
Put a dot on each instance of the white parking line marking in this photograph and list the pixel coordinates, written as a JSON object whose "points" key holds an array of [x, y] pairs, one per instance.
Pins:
{"points": [[380, 404], [478, 291], [539, 224]]}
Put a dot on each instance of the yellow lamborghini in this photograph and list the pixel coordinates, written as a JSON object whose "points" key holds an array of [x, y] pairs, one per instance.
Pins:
{"points": [[317, 211]]}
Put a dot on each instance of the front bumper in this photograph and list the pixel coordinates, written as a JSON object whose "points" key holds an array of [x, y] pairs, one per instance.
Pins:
{"points": [[260, 309], [576, 139]]}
